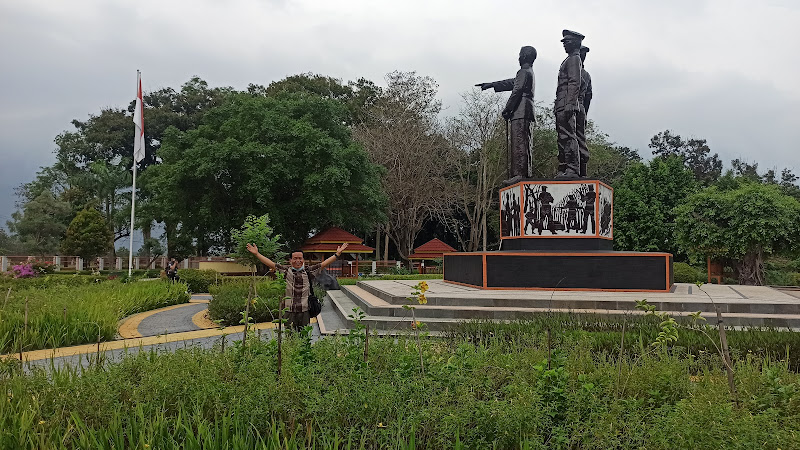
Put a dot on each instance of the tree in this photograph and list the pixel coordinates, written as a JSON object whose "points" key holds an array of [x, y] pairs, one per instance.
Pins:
{"points": [[743, 224], [544, 145], [403, 135], [256, 231], [695, 154], [151, 249], [644, 202], [10, 244], [88, 235], [357, 96], [607, 160], [41, 224], [289, 155], [476, 153]]}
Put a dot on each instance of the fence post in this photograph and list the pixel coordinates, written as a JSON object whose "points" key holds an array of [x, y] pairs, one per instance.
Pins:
{"points": [[374, 267], [79, 264], [57, 263], [136, 262], [186, 263], [3, 263], [101, 263], [118, 263]]}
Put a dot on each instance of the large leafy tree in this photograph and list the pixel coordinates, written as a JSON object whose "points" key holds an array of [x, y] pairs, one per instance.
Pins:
{"points": [[742, 223], [357, 96], [41, 224], [607, 160], [290, 156], [695, 154], [93, 160], [88, 235], [644, 202]]}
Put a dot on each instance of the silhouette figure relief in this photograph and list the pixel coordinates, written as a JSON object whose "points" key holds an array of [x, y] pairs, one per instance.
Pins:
{"points": [[560, 209], [510, 215], [519, 112]]}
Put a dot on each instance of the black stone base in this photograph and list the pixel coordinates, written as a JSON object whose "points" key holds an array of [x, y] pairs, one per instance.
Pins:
{"points": [[561, 270], [558, 244]]}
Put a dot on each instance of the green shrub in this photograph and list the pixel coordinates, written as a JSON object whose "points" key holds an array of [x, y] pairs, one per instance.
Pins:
{"points": [[50, 280], [229, 299], [199, 280], [684, 273]]}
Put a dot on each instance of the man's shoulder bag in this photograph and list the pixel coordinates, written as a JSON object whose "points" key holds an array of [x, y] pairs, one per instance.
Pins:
{"points": [[314, 304]]}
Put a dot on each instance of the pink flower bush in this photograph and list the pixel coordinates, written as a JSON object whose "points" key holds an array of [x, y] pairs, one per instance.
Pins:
{"points": [[23, 271]]}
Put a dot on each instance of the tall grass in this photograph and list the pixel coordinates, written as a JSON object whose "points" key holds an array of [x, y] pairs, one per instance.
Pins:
{"points": [[69, 315], [474, 394], [603, 333]]}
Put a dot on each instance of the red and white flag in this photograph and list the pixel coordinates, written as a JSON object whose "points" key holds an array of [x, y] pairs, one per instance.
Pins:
{"points": [[138, 120]]}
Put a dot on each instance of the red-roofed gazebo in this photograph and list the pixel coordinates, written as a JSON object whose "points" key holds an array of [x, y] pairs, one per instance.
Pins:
{"points": [[433, 249], [325, 243]]}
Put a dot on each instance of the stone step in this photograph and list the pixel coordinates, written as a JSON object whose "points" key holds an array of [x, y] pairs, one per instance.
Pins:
{"points": [[384, 315], [684, 298], [381, 324]]}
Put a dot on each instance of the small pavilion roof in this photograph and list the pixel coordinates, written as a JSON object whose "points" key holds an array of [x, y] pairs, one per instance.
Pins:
{"points": [[334, 235], [331, 248], [329, 240], [432, 249]]}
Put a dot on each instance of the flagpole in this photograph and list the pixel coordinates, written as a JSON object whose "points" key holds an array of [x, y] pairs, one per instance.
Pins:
{"points": [[133, 207], [138, 155]]}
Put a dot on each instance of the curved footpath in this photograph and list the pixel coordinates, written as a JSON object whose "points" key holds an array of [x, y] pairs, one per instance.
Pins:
{"points": [[165, 329], [190, 316]]}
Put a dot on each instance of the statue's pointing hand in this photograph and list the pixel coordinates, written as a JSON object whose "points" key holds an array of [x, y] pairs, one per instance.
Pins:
{"points": [[485, 86]]}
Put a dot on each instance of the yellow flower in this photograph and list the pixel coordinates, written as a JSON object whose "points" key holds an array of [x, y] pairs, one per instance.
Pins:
{"points": [[423, 286], [41, 422], [422, 299], [146, 445], [381, 425]]}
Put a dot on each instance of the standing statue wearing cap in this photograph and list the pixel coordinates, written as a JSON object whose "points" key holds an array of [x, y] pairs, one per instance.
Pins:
{"points": [[584, 99], [520, 112], [567, 107]]}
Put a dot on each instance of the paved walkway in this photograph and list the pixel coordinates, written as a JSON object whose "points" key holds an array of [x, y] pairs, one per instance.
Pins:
{"points": [[165, 329]]}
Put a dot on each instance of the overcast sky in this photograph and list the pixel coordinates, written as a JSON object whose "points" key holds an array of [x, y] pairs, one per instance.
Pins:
{"points": [[723, 70]]}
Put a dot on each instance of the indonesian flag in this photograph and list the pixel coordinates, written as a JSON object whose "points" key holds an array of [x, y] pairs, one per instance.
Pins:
{"points": [[138, 120]]}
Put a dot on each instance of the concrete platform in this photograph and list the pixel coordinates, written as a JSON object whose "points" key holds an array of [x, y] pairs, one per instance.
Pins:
{"points": [[381, 301]]}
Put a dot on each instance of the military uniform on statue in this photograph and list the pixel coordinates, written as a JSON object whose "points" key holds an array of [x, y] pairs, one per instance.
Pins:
{"points": [[519, 112], [577, 250], [567, 107], [584, 100]]}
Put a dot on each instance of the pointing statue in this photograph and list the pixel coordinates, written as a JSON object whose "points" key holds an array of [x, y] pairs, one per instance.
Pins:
{"points": [[568, 107], [520, 112], [584, 99]]}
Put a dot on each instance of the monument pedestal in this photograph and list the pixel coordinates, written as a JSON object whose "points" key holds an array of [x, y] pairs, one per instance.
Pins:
{"points": [[559, 235]]}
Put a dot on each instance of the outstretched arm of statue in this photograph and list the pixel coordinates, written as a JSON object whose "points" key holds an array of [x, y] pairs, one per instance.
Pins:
{"points": [[499, 86]]}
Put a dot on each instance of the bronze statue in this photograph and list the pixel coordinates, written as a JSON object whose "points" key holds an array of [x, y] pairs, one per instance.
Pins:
{"points": [[567, 107], [520, 112], [584, 99]]}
